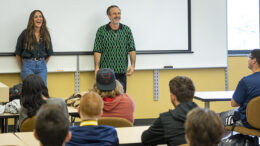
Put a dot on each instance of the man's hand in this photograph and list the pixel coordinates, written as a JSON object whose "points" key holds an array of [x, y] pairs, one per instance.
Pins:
{"points": [[96, 70], [96, 62], [130, 70]]}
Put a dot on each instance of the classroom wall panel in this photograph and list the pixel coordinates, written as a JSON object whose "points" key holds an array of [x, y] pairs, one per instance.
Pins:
{"points": [[10, 79], [237, 69], [140, 85], [73, 26], [61, 84], [87, 80]]}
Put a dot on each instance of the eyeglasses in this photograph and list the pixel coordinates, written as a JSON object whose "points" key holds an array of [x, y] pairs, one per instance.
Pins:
{"points": [[250, 57]]}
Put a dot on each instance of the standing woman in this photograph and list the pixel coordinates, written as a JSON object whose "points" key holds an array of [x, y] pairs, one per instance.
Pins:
{"points": [[34, 47]]}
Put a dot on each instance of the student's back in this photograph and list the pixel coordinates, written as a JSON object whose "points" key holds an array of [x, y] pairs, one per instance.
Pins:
{"points": [[169, 127], [93, 136], [89, 133]]}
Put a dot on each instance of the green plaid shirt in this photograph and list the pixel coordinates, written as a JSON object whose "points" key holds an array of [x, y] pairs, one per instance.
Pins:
{"points": [[114, 47]]}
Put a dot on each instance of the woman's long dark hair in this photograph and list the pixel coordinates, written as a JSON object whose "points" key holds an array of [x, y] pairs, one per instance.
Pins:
{"points": [[29, 35], [33, 89]]}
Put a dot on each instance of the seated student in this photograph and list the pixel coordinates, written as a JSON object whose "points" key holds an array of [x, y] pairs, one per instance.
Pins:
{"points": [[89, 133], [203, 127], [34, 94], [116, 102], [169, 127], [247, 89], [52, 126]]}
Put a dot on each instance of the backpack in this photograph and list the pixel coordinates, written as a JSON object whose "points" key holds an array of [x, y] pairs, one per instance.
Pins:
{"points": [[239, 140], [15, 92]]}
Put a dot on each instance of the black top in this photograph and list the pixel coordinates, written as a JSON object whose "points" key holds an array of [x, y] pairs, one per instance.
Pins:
{"points": [[169, 127], [40, 50]]}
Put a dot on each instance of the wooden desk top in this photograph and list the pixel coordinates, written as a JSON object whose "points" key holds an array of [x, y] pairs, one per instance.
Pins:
{"points": [[128, 135], [28, 138], [11, 140], [72, 109], [9, 115]]}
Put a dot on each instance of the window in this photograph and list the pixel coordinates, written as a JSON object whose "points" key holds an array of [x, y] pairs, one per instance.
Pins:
{"points": [[243, 24]]}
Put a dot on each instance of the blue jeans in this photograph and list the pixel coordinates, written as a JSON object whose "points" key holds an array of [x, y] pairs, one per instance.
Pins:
{"points": [[30, 66]]}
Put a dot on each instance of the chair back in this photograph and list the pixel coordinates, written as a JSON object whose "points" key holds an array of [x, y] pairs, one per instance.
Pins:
{"points": [[184, 145], [114, 121], [28, 125], [252, 112]]}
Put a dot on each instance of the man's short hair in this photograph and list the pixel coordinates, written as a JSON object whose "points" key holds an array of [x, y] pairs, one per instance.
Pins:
{"points": [[256, 54], [51, 125], [182, 87], [203, 127], [91, 104], [110, 7]]}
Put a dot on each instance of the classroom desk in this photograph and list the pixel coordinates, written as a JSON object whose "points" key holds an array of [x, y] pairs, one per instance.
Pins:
{"points": [[209, 96], [4, 121], [11, 140], [130, 135], [126, 136], [73, 112], [27, 138], [5, 116]]}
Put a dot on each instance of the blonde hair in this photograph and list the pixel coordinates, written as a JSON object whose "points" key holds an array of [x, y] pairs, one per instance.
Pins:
{"points": [[91, 104], [119, 90]]}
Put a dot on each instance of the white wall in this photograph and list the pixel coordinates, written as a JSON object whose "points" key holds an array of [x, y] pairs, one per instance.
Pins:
{"points": [[73, 24], [208, 38]]}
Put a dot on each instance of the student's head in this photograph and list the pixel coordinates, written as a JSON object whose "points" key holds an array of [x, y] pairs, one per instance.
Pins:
{"points": [[52, 126], [33, 90], [114, 14], [203, 127], [182, 89], [106, 84], [36, 21], [254, 59], [90, 106]]}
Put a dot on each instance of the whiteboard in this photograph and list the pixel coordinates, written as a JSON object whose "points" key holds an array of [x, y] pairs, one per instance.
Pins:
{"points": [[155, 24], [208, 38]]}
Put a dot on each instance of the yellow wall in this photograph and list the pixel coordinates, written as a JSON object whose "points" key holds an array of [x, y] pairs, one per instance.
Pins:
{"points": [[238, 67], [140, 85], [59, 84]]}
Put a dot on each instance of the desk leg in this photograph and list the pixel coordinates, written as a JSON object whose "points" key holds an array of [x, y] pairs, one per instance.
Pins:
{"points": [[206, 104], [2, 125], [6, 125], [72, 120], [15, 122]]}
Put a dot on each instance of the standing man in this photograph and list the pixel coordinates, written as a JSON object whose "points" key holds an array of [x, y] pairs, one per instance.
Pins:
{"points": [[247, 89], [114, 41]]}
